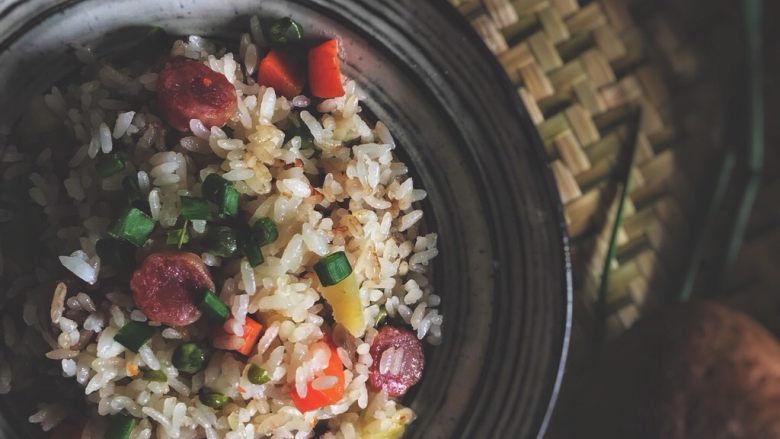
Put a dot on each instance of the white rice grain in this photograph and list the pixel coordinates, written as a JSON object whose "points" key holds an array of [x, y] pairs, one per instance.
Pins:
{"points": [[148, 357], [58, 302], [267, 105], [171, 334], [199, 129], [248, 277], [250, 59], [324, 382], [123, 121], [386, 360], [106, 144]]}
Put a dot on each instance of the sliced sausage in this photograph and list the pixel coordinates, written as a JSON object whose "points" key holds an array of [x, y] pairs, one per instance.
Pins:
{"points": [[187, 89], [396, 370], [168, 285]]}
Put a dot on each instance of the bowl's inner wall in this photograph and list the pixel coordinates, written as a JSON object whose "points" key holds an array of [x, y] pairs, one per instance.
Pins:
{"points": [[502, 269]]}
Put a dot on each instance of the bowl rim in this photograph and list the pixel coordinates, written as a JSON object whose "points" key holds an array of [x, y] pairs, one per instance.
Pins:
{"points": [[451, 13]]}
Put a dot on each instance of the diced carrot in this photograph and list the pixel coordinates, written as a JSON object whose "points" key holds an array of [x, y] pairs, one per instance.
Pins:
{"points": [[131, 369], [252, 331], [67, 431], [324, 70], [320, 398], [283, 71]]}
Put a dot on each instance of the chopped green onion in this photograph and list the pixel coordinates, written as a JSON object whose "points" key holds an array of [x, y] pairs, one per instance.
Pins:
{"points": [[300, 129], [213, 399], [252, 252], [195, 208], [212, 188], [116, 252], [120, 426], [264, 231], [189, 358], [134, 335], [220, 192], [285, 30], [110, 164], [380, 317], [229, 205], [250, 247], [333, 268], [156, 376], [222, 241], [178, 237], [132, 191], [214, 307], [133, 226], [257, 375]]}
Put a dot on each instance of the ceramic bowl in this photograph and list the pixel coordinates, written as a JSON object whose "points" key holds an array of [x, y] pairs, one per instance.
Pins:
{"points": [[503, 269]]}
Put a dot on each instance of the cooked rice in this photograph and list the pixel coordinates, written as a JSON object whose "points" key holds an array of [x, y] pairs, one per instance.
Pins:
{"points": [[351, 174]]}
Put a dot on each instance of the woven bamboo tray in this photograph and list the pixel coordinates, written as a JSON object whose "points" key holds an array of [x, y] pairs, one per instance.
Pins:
{"points": [[585, 70]]}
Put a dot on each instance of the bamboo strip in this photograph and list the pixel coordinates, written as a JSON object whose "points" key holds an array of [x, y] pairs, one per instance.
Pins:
{"points": [[502, 12], [571, 152], [536, 81], [489, 33], [514, 59], [565, 8], [609, 43], [544, 51], [591, 100], [586, 19], [553, 25], [567, 186], [530, 104], [582, 125]]}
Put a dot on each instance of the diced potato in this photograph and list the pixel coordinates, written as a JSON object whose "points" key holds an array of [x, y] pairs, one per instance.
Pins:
{"points": [[344, 298], [373, 428]]}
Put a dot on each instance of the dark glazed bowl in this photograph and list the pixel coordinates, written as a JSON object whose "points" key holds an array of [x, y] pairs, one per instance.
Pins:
{"points": [[503, 269]]}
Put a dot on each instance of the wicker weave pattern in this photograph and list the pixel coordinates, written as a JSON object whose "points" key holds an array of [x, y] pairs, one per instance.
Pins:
{"points": [[577, 68]]}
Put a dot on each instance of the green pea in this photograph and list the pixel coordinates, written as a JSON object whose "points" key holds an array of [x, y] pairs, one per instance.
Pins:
{"points": [[257, 375], [189, 358]]}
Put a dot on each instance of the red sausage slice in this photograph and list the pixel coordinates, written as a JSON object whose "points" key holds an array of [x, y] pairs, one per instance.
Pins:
{"points": [[187, 89], [167, 285], [412, 363]]}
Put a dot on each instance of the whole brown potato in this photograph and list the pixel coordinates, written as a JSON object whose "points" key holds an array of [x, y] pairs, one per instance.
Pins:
{"points": [[687, 371]]}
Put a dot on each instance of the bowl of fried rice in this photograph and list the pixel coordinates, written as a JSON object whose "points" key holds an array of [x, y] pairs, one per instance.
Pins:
{"points": [[284, 219]]}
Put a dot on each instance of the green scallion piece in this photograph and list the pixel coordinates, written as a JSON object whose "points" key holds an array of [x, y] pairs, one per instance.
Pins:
{"points": [[195, 208], [222, 241], [132, 191], [228, 207], [212, 306], [252, 252], [380, 317], [134, 335], [116, 252], [220, 192], [110, 165], [333, 268], [264, 231], [178, 237], [213, 399], [133, 226], [156, 376], [189, 358], [285, 30], [300, 129], [212, 188], [257, 375], [120, 426]]}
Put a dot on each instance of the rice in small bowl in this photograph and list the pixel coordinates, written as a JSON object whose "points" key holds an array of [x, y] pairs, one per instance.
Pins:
{"points": [[290, 234]]}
